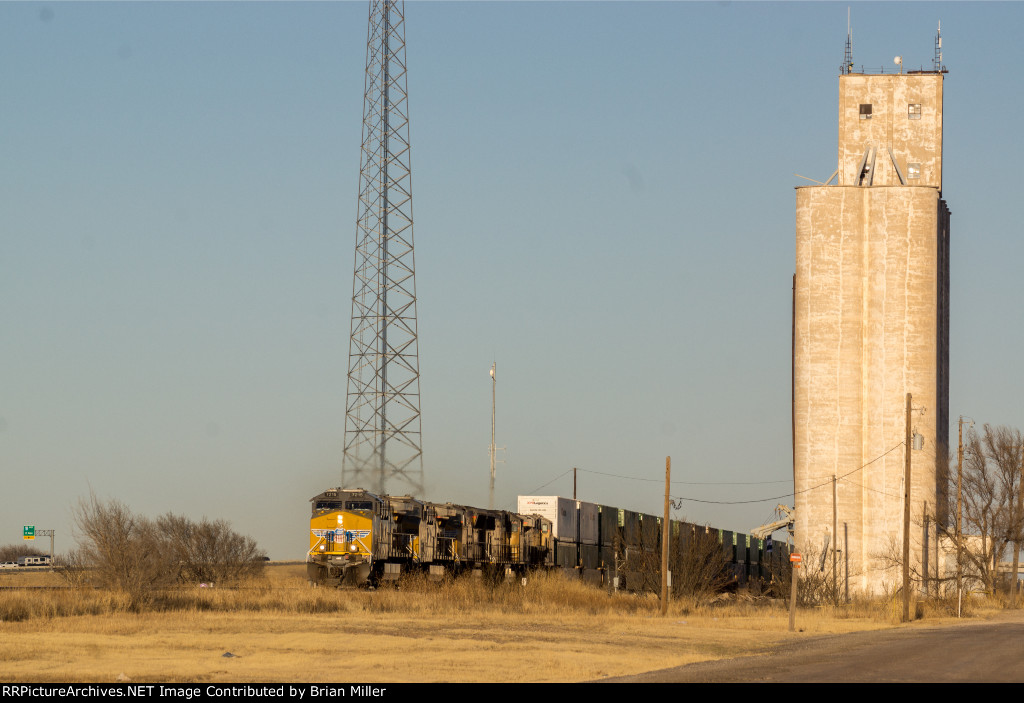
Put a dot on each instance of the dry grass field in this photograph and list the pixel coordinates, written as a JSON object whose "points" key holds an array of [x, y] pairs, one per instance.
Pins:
{"points": [[281, 630]]}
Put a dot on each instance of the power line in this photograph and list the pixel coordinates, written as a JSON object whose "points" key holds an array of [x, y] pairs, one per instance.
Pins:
{"points": [[534, 491], [869, 488], [795, 493], [686, 483], [872, 461], [732, 502], [728, 483], [851, 473]]}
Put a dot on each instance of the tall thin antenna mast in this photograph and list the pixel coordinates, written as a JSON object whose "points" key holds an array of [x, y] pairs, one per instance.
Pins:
{"points": [[494, 450], [937, 61], [382, 418], [494, 447], [847, 66]]}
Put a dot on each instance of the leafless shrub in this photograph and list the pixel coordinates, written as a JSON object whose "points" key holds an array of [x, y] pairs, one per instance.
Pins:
{"points": [[816, 585], [700, 570], [209, 551], [934, 592], [136, 556], [778, 581], [122, 550]]}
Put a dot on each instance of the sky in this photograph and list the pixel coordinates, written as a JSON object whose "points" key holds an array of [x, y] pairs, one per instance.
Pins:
{"points": [[603, 206]]}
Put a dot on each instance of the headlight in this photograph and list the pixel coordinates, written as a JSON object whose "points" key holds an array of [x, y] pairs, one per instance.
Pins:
{"points": [[323, 547], [353, 548]]}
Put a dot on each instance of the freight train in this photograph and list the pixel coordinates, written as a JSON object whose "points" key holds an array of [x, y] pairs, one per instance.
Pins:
{"points": [[359, 538]]}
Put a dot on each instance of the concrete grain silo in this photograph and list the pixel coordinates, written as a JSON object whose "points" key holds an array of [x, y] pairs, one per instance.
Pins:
{"points": [[871, 324]]}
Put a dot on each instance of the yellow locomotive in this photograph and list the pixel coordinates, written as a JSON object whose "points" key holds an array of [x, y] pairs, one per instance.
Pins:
{"points": [[360, 538]]}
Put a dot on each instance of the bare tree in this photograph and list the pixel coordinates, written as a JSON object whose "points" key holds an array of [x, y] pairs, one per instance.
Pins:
{"points": [[122, 550], [992, 515]]}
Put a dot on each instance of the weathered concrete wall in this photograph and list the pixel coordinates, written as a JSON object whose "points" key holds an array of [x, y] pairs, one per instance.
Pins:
{"points": [[914, 139], [871, 325]]}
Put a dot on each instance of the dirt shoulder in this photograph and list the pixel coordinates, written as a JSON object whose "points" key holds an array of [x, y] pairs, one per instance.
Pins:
{"points": [[183, 647]]}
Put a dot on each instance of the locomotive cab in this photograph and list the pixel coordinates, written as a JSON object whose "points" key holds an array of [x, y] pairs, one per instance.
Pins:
{"points": [[342, 527]]}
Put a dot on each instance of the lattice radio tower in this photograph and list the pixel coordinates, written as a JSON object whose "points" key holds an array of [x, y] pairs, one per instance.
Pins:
{"points": [[382, 419]]}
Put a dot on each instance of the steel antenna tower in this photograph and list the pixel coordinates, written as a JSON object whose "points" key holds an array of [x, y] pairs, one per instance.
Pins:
{"points": [[382, 419], [847, 66]]}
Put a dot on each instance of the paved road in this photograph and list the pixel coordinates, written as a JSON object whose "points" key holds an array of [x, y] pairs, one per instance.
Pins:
{"points": [[971, 652]]}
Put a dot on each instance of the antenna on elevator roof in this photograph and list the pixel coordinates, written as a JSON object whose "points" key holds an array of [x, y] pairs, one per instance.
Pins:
{"points": [[847, 66], [937, 61]]}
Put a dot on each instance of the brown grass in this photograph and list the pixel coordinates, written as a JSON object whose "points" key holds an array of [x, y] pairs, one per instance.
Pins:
{"points": [[280, 629]]}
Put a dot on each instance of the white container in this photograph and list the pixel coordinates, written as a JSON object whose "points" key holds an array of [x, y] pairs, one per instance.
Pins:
{"points": [[560, 511]]}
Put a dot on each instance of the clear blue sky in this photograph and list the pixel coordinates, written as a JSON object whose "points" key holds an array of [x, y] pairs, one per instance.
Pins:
{"points": [[604, 205]]}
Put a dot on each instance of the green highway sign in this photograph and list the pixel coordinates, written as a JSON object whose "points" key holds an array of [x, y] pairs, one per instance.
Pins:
{"points": [[29, 531]]}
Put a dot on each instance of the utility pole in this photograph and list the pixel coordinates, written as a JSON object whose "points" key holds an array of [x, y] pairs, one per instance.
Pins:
{"points": [[494, 390], [924, 551], [959, 515], [1017, 526], [906, 516], [794, 562], [665, 535], [574, 483], [835, 543], [846, 559]]}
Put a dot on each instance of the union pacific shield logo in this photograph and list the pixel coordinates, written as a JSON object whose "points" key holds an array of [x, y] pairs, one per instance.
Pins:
{"points": [[341, 535]]}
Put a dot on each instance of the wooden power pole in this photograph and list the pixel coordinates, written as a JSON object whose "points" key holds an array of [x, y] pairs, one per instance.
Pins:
{"points": [[1017, 525], [835, 543], [959, 514], [665, 536], [908, 447]]}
